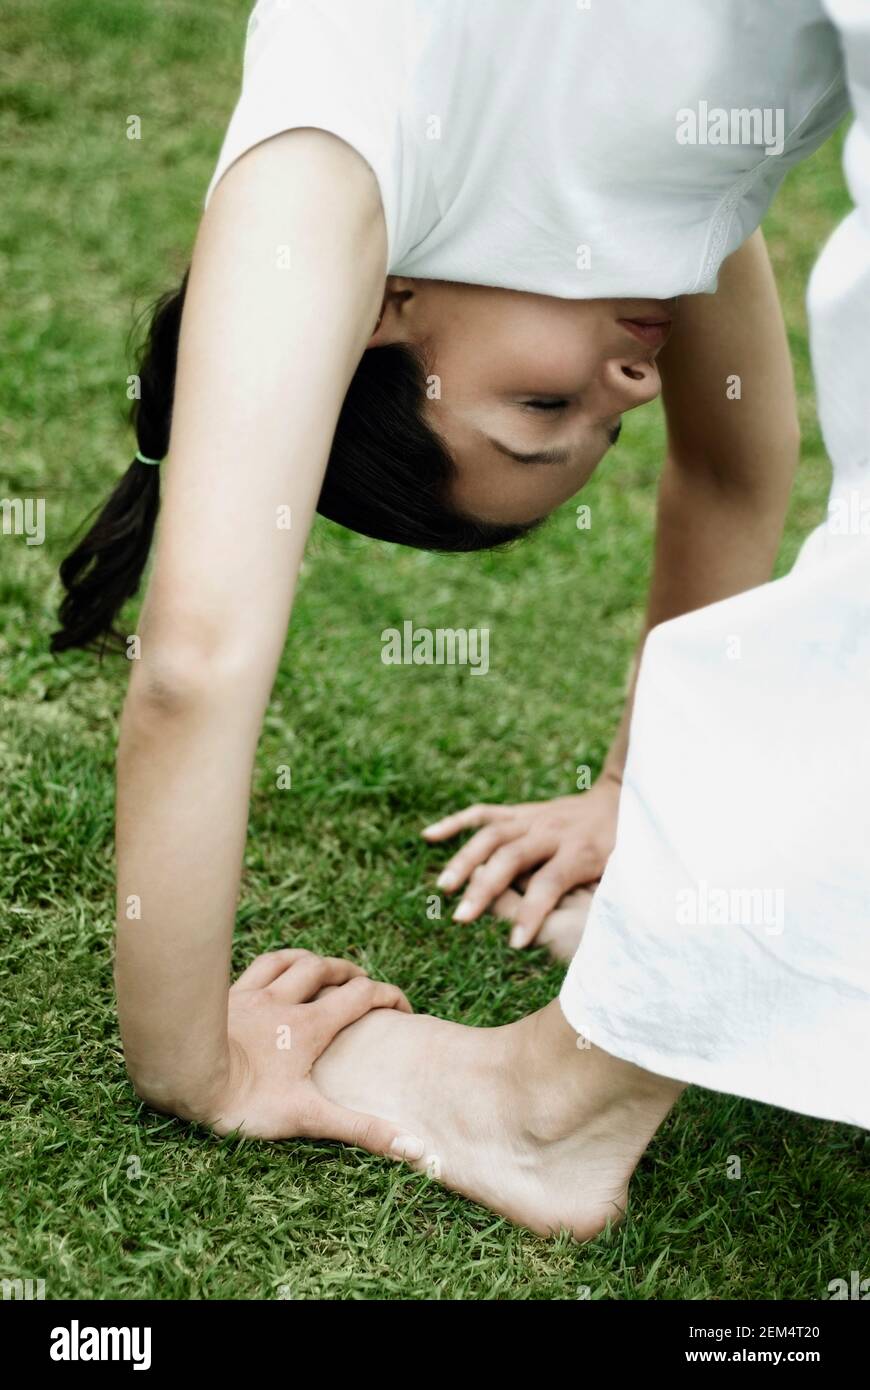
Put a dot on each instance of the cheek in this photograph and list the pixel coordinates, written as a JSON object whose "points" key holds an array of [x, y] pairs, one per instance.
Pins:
{"points": [[511, 352], [510, 355], [536, 369], [544, 359]]}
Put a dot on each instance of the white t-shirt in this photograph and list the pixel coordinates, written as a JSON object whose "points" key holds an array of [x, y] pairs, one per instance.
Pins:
{"points": [[540, 145]]}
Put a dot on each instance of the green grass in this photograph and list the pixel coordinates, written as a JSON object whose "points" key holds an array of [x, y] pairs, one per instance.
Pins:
{"points": [[94, 227]]}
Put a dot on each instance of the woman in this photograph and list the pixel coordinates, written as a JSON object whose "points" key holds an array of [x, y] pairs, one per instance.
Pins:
{"points": [[429, 281]]}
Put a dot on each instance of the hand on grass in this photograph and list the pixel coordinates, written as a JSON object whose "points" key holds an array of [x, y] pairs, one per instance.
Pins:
{"points": [[284, 1011], [566, 842]]}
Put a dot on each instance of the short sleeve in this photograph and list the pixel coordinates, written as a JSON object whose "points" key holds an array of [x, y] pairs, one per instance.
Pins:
{"points": [[329, 65]]}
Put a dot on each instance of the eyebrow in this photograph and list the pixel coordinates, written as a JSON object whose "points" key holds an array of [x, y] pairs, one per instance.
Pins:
{"points": [[545, 455]]}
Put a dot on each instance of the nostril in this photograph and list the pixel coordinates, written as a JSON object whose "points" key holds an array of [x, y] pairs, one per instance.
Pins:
{"points": [[632, 374]]}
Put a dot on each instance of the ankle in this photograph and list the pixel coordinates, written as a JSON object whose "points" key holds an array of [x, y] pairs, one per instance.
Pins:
{"points": [[562, 1087]]}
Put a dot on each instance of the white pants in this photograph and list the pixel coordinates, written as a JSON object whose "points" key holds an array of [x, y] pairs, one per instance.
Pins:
{"points": [[729, 942]]}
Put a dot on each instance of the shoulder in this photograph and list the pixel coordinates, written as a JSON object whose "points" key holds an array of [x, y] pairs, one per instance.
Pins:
{"points": [[317, 179]]}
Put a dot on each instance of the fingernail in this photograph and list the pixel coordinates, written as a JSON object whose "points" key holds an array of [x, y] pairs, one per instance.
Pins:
{"points": [[406, 1146], [463, 913], [517, 938], [446, 880], [432, 829]]}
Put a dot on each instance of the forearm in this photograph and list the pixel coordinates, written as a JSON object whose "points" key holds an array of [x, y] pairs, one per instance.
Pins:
{"points": [[184, 768]]}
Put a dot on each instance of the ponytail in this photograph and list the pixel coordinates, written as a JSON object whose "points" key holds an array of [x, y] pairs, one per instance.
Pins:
{"points": [[105, 568]]}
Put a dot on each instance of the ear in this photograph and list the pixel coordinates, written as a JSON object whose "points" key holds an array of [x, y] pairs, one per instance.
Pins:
{"points": [[394, 321]]}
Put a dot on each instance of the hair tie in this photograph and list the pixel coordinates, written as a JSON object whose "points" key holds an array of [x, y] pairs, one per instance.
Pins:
{"points": [[142, 458]]}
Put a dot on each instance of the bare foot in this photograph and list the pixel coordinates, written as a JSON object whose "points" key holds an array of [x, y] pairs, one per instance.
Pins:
{"points": [[562, 928], [519, 1118]]}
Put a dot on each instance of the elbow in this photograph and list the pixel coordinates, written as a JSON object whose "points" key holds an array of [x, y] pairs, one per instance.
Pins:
{"points": [[171, 682], [177, 680]]}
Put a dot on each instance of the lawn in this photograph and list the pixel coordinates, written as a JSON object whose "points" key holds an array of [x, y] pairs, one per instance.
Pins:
{"points": [[103, 1199]]}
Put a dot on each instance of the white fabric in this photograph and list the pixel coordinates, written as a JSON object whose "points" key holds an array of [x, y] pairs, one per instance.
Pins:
{"points": [[532, 144], [752, 771]]}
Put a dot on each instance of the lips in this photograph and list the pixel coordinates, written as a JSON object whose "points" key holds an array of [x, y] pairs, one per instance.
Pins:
{"points": [[653, 332]]}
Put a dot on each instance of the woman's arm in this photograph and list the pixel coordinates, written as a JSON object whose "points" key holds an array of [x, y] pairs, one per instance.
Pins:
{"points": [[721, 507], [731, 462], [286, 282]]}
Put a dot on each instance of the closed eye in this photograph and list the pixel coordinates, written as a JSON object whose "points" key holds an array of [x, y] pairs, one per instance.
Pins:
{"points": [[543, 405], [535, 405]]}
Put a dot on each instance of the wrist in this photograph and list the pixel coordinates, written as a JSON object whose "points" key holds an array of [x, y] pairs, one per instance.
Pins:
{"points": [[196, 1097]]}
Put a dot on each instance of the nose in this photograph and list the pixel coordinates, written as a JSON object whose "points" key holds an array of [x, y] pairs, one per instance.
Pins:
{"points": [[630, 383]]}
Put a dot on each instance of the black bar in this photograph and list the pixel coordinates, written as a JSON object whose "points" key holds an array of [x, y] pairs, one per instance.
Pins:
{"points": [[272, 1336]]}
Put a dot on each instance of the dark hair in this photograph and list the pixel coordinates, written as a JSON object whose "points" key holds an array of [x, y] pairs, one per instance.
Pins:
{"points": [[387, 477]]}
